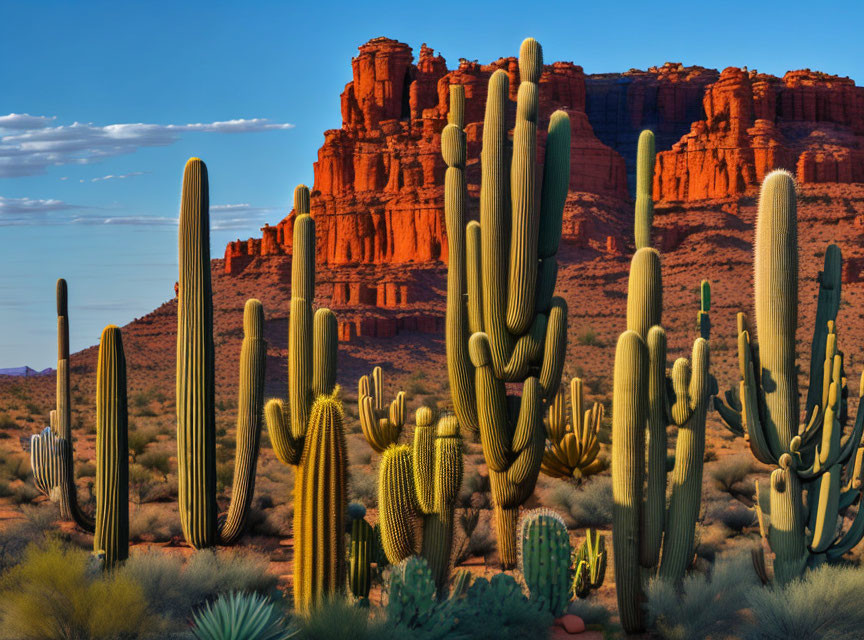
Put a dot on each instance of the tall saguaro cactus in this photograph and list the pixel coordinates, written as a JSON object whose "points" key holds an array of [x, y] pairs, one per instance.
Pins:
{"points": [[645, 402], [196, 412], [818, 474], [512, 328], [112, 450], [319, 566]]}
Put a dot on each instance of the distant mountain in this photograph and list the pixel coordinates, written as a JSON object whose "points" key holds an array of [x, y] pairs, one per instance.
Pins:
{"points": [[25, 372]]}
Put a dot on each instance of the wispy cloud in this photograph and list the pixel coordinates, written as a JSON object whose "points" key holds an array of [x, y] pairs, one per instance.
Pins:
{"points": [[28, 144], [122, 176], [18, 206]]}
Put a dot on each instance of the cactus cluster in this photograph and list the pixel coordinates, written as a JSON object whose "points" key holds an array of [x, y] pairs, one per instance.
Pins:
{"points": [[503, 324], [818, 471], [572, 446], [308, 430], [381, 427], [645, 403], [544, 558], [196, 411], [421, 483]]}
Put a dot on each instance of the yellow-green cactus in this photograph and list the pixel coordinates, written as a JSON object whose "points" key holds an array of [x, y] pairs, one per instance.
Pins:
{"points": [[572, 445], [381, 427], [509, 327], [808, 500]]}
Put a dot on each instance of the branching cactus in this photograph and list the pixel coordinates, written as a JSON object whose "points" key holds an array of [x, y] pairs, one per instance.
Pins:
{"points": [[381, 427], [503, 323], [52, 451], [819, 472], [573, 445], [111, 536], [319, 548], [544, 558], [645, 403], [421, 483], [196, 411]]}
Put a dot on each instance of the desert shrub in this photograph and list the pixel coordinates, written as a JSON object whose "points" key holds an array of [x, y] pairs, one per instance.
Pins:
{"points": [[14, 466], [276, 521], [588, 337], [23, 493], [706, 606], [360, 456], [590, 611], [155, 461], [6, 421], [55, 593], [735, 517], [241, 616], [730, 475], [823, 605], [588, 506], [85, 470], [153, 523], [473, 483], [478, 539], [139, 439], [338, 619], [38, 526], [363, 487]]}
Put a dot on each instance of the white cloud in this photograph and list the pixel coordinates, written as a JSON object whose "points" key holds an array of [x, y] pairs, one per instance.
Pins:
{"points": [[28, 145], [11, 206], [122, 176]]}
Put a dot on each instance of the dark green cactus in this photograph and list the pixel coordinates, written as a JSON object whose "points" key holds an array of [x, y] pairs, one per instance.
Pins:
{"points": [[511, 329], [544, 558], [808, 501], [589, 564], [645, 403], [196, 412], [703, 318], [360, 558], [320, 503], [111, 535]]}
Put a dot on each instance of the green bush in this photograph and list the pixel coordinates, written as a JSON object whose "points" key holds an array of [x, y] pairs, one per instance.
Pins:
{"points": [[241, 616], [339, 619], [156, 461], [54, 594], [706, 606], [589, 506], [38, 526], [139, 439], [823, 605]]}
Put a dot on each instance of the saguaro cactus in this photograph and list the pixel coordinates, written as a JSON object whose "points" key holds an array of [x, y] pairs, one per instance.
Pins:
{"points": [[512, 328], [381, 427], [573, 446], [645, 403], [52, 451], [703, 318], [812, 457], [422, 482], [196, 430], [111, 536], [319, 566]]}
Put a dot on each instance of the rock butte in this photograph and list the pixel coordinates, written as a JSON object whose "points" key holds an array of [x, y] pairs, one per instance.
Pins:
{"points": [[377, 196]]}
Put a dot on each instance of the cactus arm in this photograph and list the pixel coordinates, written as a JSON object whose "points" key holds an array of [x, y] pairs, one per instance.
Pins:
{"points": [[654, 508], [111, 534], [827, 306], [555, 349], [524, 220], [380, 427], [196, 446], [473, 249], [644, 292], [644, 183], [286, 448], [527, 350], [686, 479], [629, 413], [324, 349], [250, 401], [459, 369], [495, 431], [826, 510], [423, 460], [786, 531], [751, 416], [850, 539]]}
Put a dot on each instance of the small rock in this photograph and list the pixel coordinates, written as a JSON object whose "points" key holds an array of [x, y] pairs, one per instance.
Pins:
{"points": [[573, 624]]}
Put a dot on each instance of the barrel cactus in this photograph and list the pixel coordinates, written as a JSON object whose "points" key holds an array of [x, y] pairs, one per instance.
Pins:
{"points": [[646, 401], [421, 483], [503, 323], [818, 467], [196, 411], [544, 558]]}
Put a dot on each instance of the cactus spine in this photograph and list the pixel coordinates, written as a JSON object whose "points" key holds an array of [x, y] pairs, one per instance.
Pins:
{"points": [[111, 535], [544, 558], [573, 445], [645, 403], [511, 329], [319, 566], [811, 457], [320, 501], [421, 483], [196, 435]]}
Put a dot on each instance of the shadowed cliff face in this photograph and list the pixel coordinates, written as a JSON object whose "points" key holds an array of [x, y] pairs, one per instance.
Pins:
{"points": [[378, 191]]}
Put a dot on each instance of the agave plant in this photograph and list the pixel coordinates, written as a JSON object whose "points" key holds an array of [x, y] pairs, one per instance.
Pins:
{"points": [[241, 616]]}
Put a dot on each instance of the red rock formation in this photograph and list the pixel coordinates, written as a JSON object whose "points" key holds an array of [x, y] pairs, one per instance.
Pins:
{"points": [[808, 122]]}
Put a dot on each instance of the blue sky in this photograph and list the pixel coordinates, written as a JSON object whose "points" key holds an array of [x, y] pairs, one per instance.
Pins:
{"points": [[250, 87]]}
